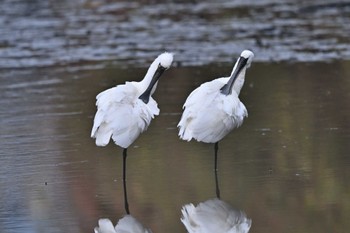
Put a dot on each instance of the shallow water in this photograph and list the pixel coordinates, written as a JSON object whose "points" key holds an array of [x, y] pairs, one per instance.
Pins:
{"points": [[287, 167]]}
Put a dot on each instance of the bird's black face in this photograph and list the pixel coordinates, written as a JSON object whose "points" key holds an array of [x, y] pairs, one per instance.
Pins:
{"points": [[159, 71], [242, 62], [227, 88]]}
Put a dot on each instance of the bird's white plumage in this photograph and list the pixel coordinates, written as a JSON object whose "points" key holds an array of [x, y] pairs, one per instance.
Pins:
{"points": [[165, 59], [247, 54], [121, 115], [214, 215], [208, 114], [128, 224]]}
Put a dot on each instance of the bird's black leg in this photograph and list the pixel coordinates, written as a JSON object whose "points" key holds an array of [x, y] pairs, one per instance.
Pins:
{"points": [[217, 185], [126, 204], [216, 147]]}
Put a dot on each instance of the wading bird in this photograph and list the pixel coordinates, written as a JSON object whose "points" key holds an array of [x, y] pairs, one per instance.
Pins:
{"points": [[125, 111], [213, 109]]}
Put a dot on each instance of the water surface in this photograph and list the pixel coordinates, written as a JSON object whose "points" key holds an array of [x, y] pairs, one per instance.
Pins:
{"points": [[287, 167], [99, 33]]}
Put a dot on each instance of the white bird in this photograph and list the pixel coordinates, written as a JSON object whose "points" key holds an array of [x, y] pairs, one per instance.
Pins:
{"points": [[128, 224], [214, 215], [213, 109], [125, 111]]}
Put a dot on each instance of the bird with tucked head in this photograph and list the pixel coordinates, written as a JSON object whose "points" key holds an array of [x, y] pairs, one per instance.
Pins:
{"points": [[214, 109]]}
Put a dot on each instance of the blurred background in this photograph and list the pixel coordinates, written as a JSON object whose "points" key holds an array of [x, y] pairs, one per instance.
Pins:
{"points": [[287, 167], [36, 33]]}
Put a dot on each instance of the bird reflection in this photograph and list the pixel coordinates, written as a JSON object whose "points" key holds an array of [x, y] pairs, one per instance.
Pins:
{"points": [[217, 188], [127, 224], [214, 215]]}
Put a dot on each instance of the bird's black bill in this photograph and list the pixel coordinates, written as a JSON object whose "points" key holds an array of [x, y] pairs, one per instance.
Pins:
{"points": [[227, 88], [145, 96]]}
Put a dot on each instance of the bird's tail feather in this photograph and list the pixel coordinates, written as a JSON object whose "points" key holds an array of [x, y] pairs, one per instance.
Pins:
{"points": [[103, 135]]}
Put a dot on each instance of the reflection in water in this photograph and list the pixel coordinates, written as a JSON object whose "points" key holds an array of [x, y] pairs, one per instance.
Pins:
{"points": [[127, 224], [294, 151], [217, 187], [214, 215]]}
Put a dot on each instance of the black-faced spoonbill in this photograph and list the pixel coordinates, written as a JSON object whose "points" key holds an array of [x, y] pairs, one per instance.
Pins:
{"points": [[214, 215], [125, 111], [213, 109]]}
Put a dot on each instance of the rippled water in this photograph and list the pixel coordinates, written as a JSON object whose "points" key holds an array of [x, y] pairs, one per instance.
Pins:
{"points": [[46, 33], [287, 167]]}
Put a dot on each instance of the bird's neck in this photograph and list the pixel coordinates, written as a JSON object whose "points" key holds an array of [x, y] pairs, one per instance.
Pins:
{"points": [[238, 84], [144, 84], [234, 84]]}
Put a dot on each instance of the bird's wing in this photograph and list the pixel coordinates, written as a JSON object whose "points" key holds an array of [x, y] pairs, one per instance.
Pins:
{"points": [[104, 100], [197, 112], [203, 91], [121, 115], [208, 115], [234, 110], [127, 127]]}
